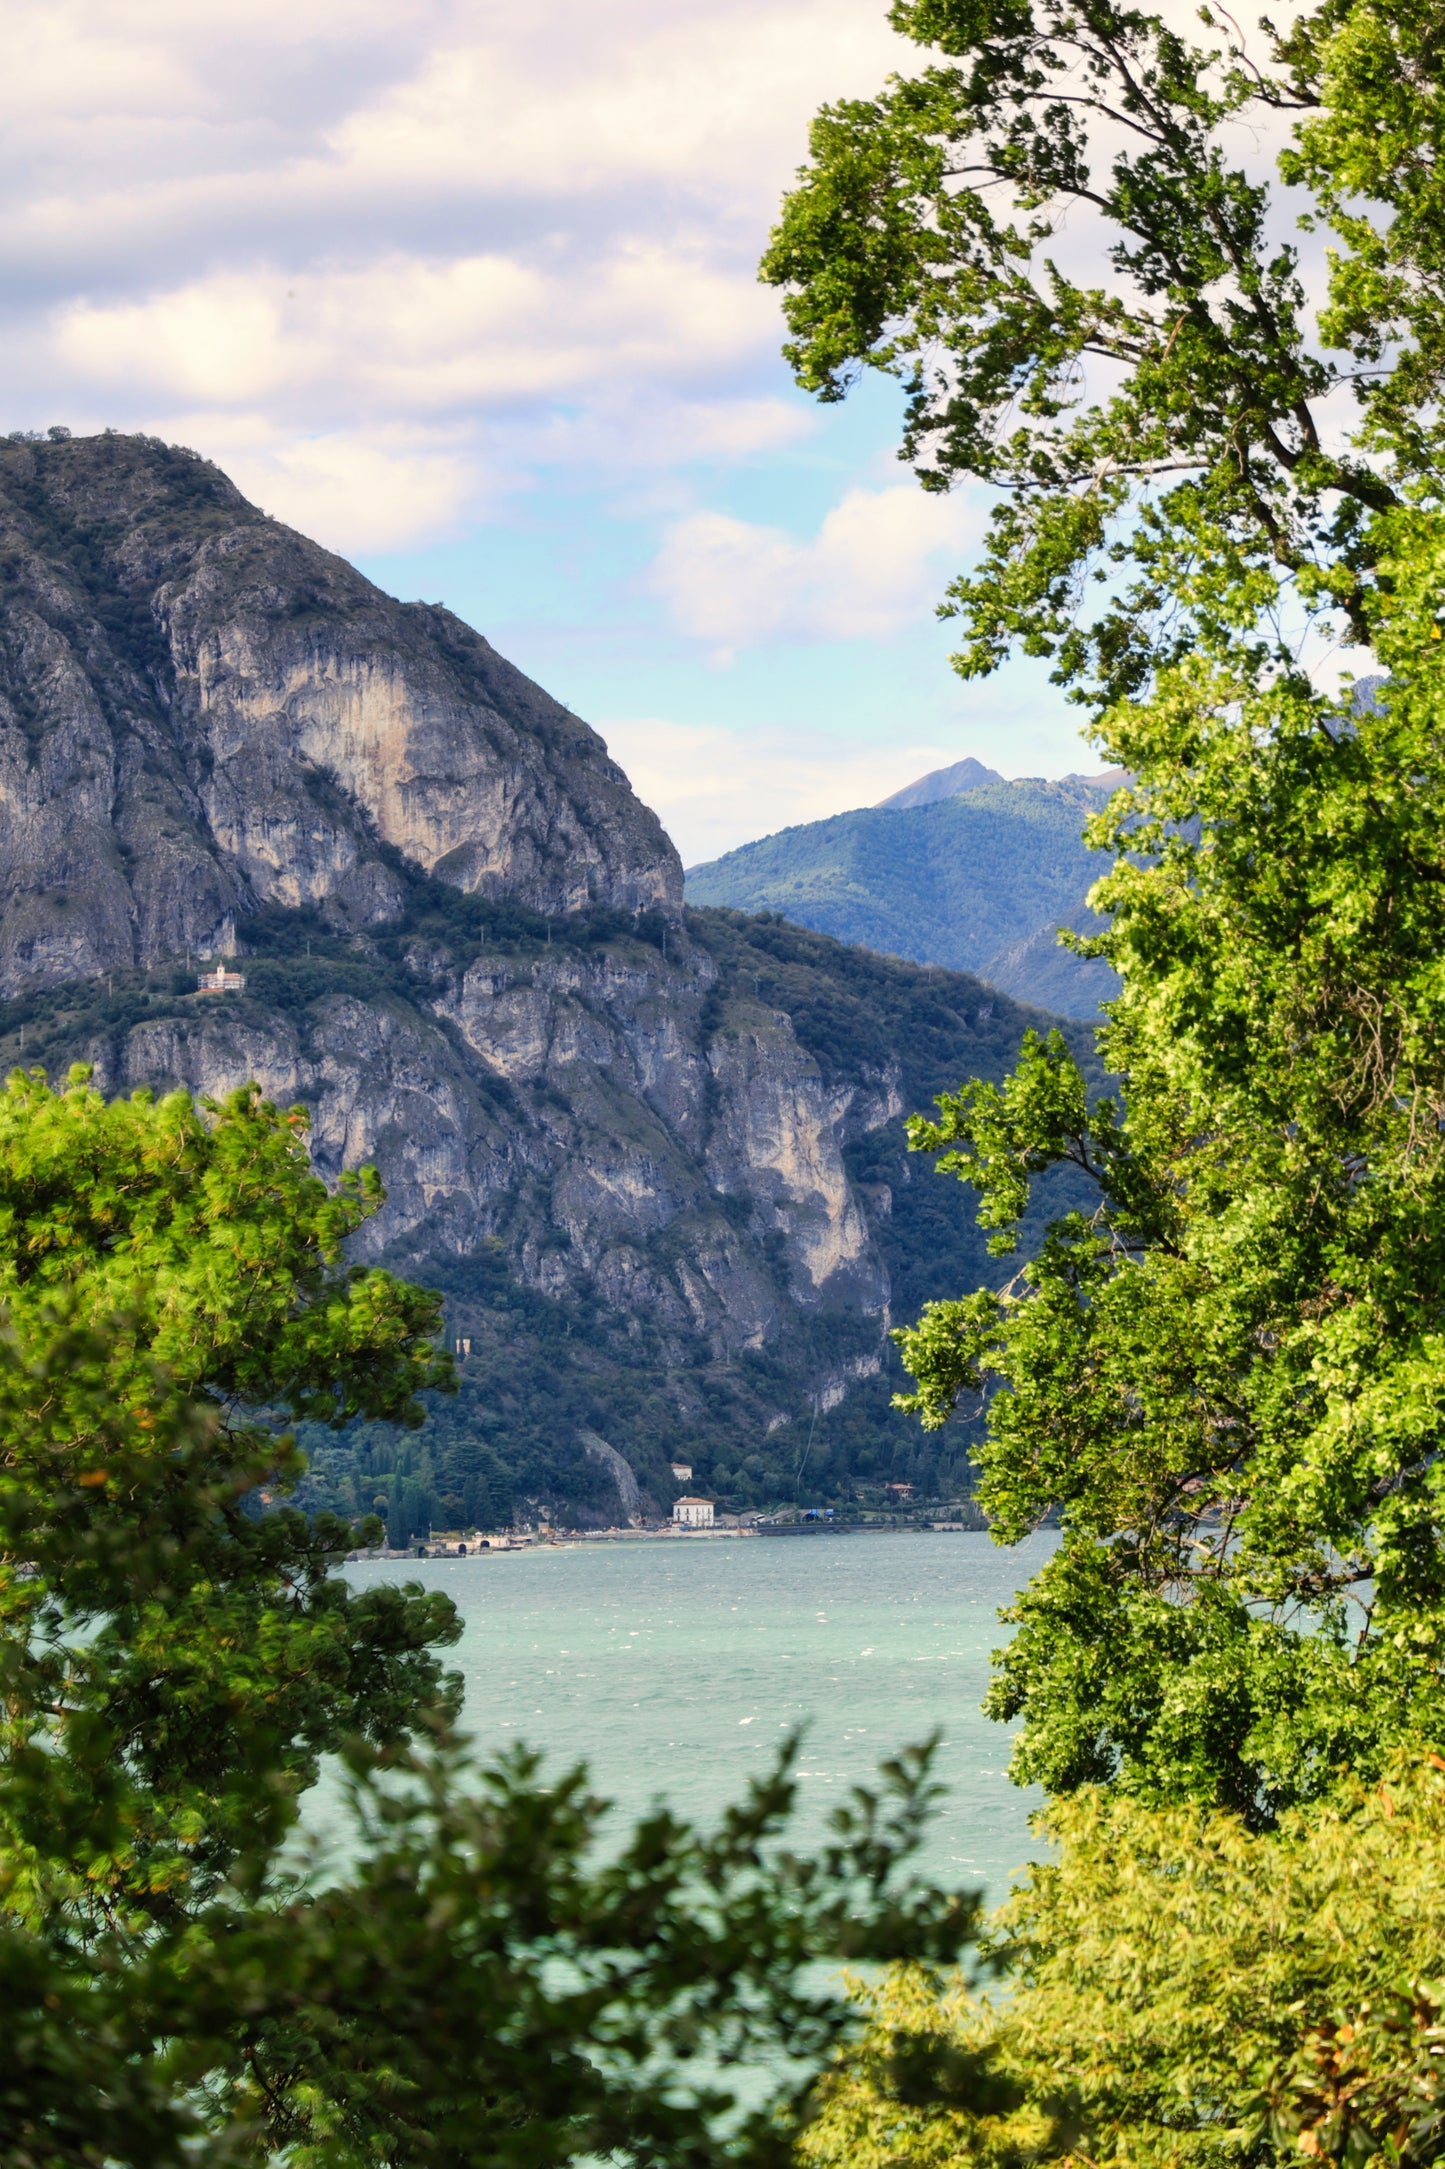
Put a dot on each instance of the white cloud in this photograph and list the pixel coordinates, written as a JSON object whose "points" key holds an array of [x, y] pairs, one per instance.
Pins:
{"points": [[628, 429], [144, 112], [384, 490], [597, 98], [403, 337], [348, 219], [714, 789], [873, 567], [308, 372], [221, 341]]}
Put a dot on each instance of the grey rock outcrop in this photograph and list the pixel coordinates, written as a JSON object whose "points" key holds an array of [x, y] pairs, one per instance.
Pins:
{"points": [[597, 1112], [667, 1196], [629, 1496], [202, 712]]}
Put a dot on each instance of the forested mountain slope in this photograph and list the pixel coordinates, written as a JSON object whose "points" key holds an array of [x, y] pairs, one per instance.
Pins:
{"points": [[978, 880], [653, 1158]]}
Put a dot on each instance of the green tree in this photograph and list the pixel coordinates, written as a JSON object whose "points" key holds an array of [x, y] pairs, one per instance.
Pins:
{"points": [[1230, 1376], [475, 1981], [176, 1663], [1166, 433], [1223, 1377], [1184, 1992]]}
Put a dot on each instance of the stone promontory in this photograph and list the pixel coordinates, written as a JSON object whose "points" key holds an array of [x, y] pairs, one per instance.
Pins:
{"points": [[201, 711]]}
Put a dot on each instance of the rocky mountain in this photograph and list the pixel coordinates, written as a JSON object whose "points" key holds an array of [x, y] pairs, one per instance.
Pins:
{"points": [[965, 775], [977, 877], [203, 712], [654, 1157]]}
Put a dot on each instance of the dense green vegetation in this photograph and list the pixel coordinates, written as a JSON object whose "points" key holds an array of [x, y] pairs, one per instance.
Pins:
{"points": [[1227, 1374], [965, 882], [1228, 1371], [1184, 1994], [1222, 1372], [477, 1983]]}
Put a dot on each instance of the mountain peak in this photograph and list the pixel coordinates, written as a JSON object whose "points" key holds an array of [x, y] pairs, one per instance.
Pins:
{"points": [[202, 713], [964, 775], [976, 881]]}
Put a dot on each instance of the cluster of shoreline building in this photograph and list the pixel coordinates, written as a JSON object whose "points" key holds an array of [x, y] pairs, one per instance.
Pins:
{"points": [[692, 1515]]}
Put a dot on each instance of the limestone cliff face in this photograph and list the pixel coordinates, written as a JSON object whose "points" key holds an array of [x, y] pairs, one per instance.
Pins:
{"points": [[202, 712], [676, 1153]]}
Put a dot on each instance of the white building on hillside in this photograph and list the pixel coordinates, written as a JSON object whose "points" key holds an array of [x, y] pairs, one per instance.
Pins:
{"points": [[682, 1472], [692, 1513]]}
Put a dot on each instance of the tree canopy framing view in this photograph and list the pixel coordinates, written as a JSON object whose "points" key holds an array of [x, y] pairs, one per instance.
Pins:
{"points": [[1222, 1377], [1226, 1379], [481, 1982], [1185, 439]]}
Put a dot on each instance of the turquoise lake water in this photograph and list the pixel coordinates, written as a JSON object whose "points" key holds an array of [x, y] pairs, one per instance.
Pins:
{"points": [[672, 1669]]}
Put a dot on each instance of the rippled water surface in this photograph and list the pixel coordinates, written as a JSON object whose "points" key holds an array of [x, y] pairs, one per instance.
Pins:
{"points": [[672, 1668]]}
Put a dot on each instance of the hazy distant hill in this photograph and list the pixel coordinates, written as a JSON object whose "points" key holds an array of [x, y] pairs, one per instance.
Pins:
{"points": [[977, 880], [939, 783]]}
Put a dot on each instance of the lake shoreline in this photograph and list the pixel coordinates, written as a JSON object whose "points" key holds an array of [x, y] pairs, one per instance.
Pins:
{"points": [[574, 1539]]}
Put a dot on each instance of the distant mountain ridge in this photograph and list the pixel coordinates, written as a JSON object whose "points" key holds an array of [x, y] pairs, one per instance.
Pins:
{"points": [[975, 875], [965, 775]]}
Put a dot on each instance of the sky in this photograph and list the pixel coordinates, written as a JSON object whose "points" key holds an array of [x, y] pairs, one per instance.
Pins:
{"points": [[466, 290]]}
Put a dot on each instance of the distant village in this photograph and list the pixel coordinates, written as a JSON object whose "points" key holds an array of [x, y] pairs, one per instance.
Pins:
{"points": [[694, 1516]]}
